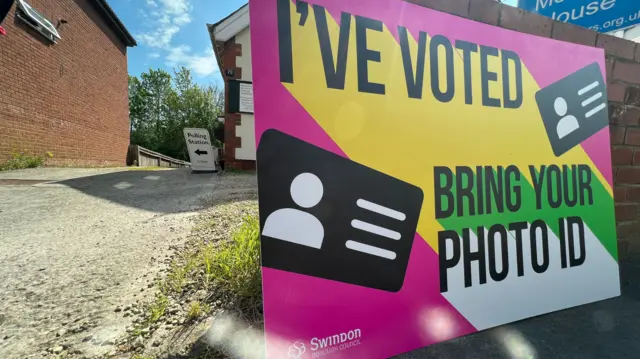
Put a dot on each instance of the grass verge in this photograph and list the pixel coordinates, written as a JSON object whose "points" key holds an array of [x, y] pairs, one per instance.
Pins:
{"points": [[218, 270], [227, 268], [234, 266]]}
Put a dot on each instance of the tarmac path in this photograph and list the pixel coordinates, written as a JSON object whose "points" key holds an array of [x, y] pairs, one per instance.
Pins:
{"points": [[77, 243]]}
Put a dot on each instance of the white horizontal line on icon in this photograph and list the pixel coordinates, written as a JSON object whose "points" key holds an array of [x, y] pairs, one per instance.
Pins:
{"points": [[591, 99], [385, 211], [595, 110], [372, 228], [588, 88], [365, 248]]}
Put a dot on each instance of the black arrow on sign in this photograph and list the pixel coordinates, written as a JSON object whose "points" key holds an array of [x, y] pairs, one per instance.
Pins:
{"points": [[201, 152]]}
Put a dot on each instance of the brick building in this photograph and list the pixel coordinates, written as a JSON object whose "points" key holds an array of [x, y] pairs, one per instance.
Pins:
{"points": [[63, 82], [231, 41]]}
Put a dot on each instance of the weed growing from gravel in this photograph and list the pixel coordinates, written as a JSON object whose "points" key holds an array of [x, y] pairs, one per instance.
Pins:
{"points": [[197, 310], [235, 265], [179, 273], [140, 356], [158, 308]]}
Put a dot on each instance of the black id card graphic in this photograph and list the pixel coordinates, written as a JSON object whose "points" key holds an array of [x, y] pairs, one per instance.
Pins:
{"points": [[574, 108], [326, 216]]}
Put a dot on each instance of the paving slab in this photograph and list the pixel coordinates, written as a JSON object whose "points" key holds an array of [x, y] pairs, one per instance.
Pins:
{"points": [[608, 329]]}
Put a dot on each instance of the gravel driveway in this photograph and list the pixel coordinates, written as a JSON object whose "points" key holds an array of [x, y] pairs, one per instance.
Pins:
{"points": [[78, 245]]}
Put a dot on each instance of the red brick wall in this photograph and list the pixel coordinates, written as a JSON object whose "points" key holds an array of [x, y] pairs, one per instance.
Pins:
{"points": [[68, 98], [228, 52], [623, 75]]}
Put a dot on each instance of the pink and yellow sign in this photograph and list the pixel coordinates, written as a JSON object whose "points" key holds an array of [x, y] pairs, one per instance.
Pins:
{"points": [[423, 176]]}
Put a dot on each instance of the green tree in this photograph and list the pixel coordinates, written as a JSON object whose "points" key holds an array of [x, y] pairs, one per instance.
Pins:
{"points": [[137, 111], [161, 105]]}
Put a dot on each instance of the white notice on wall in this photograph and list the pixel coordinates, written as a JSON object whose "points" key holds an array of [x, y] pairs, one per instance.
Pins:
{"points": [[246, 97]]}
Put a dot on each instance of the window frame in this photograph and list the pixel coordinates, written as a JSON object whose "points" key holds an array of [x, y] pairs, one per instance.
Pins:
{"points": [[45, 26]]}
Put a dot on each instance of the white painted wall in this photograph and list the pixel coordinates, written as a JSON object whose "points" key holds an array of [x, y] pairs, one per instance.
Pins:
{"points": [[632, 34], [244, 61], [246, 131]]}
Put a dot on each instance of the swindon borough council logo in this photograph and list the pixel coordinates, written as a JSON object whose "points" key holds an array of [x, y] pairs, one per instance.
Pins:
{"points": [[318, 347], [296, 350]]}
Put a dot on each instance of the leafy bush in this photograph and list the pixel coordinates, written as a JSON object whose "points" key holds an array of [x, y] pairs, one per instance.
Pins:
{"points": [[21, 160]]}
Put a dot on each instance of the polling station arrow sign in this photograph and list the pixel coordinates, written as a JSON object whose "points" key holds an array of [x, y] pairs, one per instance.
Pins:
{"points": [[200, 149]]}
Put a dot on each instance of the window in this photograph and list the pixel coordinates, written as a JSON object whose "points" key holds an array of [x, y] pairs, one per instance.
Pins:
{"points": [[37, 21]]}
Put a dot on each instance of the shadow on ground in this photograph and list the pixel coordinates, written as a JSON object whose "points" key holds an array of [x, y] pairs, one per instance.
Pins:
{"points": [[608, 329], [167, 191]]}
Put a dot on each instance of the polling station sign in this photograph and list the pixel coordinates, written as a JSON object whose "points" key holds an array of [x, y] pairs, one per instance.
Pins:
{"points": [[422, 176], [598, 15], [201, 153]]}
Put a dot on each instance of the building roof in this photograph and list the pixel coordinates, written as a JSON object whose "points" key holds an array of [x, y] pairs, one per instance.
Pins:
{"points": [[230, 15], [114, 22], [227, 28], [231, 25]]}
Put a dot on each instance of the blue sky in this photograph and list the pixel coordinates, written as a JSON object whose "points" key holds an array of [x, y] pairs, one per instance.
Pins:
{"points": [[173, 33]]}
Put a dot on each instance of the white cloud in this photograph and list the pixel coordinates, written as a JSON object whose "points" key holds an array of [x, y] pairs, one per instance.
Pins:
{"points": [[203, 64], [160, 38], [164, 22], [176, 7], [182, 19]]}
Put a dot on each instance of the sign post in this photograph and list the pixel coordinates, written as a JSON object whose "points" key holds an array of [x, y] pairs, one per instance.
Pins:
{"points": [[201, 153], [422, 176], [598, 15]]}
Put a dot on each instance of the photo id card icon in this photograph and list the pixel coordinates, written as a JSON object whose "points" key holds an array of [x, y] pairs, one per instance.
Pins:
{"points": [[574, 108], [326, 216]]}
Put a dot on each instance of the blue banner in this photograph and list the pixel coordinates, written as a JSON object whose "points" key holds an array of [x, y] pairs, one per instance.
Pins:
{"points": [[598, 15]]}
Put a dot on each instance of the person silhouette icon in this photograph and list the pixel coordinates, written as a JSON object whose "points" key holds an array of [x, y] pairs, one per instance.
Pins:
{"points": [[296, 226], [567, 123]]}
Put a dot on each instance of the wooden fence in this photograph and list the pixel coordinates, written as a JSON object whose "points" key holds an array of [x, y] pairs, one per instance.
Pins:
{"points": [[142, 157]]}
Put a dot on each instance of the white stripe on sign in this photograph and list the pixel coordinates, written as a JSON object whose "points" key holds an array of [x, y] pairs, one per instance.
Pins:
{"points": [[588, 88], [596, 110], [385, 211], [365, 248], [372, 228], [591, 99]]}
